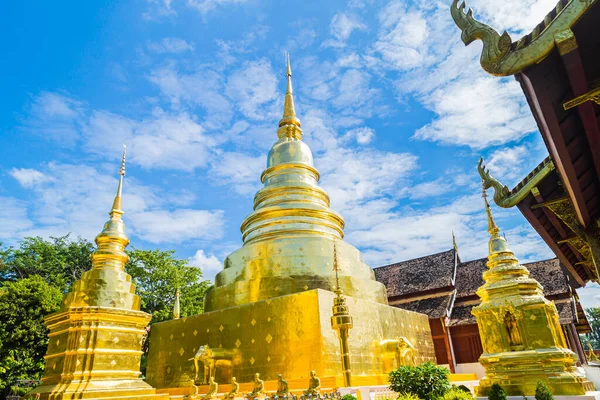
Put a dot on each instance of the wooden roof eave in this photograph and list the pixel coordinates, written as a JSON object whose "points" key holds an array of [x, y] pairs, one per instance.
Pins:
{"points": [[501, 60]]}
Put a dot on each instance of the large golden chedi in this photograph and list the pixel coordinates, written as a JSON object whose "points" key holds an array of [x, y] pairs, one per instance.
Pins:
{"points": [[269, 311], [521, 336], [95, 340]]}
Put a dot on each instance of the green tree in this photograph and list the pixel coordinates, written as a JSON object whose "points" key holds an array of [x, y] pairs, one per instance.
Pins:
{"points": [[23, 338], [593, 337], [157, 274], [60, 260], [496, 393]]}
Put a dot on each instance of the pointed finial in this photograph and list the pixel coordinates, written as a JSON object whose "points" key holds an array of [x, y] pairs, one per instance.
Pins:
{"points": [[492, 228], [176, 306], [117, 204], [336, 267], [454, 241], [289, 125]]}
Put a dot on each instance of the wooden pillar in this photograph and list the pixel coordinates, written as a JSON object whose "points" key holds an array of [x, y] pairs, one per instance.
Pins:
{"points": [[448, 342], [570, 340], [580, 350]]}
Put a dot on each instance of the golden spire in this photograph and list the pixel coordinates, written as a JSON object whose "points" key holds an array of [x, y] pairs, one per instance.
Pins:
{"points": [[492, 228], [454, 241], [289, 125], [112, 240]]}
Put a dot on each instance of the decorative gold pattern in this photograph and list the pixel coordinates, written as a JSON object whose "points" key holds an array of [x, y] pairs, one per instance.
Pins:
{"points": [[519, 329]]}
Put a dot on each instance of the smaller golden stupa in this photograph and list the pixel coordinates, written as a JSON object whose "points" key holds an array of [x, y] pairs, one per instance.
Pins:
{"points": [[95, 340], [520, 333]]}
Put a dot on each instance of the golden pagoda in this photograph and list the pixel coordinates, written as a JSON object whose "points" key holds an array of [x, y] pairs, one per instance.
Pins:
{"points": [[270, 308], [521, 336], [95, 339]]}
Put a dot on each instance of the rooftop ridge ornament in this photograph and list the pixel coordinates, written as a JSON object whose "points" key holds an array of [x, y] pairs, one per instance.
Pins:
{"points": [[289, 124], [495, 46]]}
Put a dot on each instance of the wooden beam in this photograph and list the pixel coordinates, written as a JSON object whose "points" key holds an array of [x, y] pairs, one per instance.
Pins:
{"points": [[525, 208], [547, 121], [579, 84]]}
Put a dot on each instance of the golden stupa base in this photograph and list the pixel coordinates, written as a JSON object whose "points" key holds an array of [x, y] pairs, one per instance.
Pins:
{"points": [[519, 371], [289, 335]]}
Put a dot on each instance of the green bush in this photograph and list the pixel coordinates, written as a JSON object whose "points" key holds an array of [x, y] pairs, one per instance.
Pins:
{"points": [[457, 394], [542, 392], [408, 396], [348, 397], [427, 381], [496, 393], [463, 388]]}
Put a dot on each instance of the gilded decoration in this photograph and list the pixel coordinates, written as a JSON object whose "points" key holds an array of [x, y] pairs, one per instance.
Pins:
{"points": [[95, 339], [520, 332]]}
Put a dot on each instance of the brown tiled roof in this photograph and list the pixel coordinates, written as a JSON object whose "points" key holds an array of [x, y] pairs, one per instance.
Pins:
{"points": [[433, 307], [550, 275], [469, 277], [418, 275], [566, 311], [461, 315]]}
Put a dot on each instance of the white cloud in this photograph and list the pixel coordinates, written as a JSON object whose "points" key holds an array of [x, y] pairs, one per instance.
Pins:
{"points": [[203, 87], [77, 199], [362, 135], [425, 190], [401, 38], [54, 116], [519, 16], [341, 27], [239, 171], [170, 45], [477, 113], [254, 89], [509, 163], [208, 263], [27, 177], [589, 295], [162, 226], [14, 218], [158, 9]]}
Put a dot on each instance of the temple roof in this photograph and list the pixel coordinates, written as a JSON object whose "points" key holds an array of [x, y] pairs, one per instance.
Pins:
{"points": [[407, 278], [434, 307]]}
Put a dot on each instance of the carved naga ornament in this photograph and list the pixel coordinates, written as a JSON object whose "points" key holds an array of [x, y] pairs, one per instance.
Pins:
{"points": [[495, 47], [500, 191]]}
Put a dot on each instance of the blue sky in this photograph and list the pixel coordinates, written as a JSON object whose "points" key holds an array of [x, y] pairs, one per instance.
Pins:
{"points": [[396, 110]]}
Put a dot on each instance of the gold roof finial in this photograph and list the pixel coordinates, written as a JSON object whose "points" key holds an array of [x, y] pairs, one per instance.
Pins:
{"points": [[336, 267], [492, 227], [117, 204], [176, 306], [289, 124]]}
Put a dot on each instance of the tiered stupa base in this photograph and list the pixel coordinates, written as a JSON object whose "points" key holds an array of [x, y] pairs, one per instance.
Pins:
{"points": [[518, 372], [289, 335], [93, 353]]}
